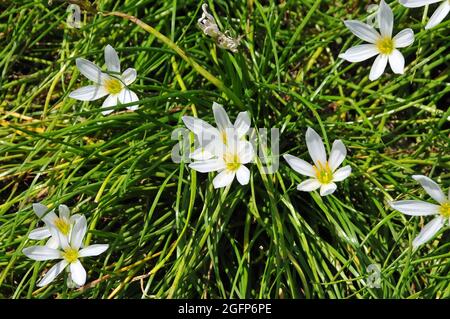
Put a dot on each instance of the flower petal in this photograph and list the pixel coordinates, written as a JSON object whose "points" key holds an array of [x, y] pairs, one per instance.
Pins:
{"points": [[112, 59], [223, 179], [438, 15], [129, 76], [40, 233], [207, 166], [110, 101], [337, 155], [309, 185], [52, 273], [342, 173], [246, 152], [88, 93], [316, 147], [78, 232], [415, 207], [417, 3], [78, 273], [64, 212], [41, 253], [360, 53], [397, 62], [203, 130], [242, 124], [243, 175], [127, 96], [404, 38], [378, 67], [431, 188], [93, 250], [201, 154], [386, 19], [90, 70], [52, 243], [327, 189], [428, 231], [221, 117], [39, 209], [299, 165], [362, 30]]}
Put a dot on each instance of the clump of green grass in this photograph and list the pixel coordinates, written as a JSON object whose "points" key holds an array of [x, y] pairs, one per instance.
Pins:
{"points": [[171, 234]]}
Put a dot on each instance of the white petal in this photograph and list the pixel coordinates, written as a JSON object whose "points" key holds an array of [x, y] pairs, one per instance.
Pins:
{"points": [[362, 30], [221, 117], [52, 273], [127, 96], [299, 165], [386, 19], [327, 189], [90, 70], [64, 212], [404, 38], [203, 130], [78, 232], [309, 185], [438, 15], [428, 231], [201, 154], [246, 152], [129, 76], [49, 218], [207, 166], [41, 253], [39, 209], [77, 273], [243, 175], [242, 124], [110, 101], [337, 155], [316, 147], [360, 53], [112, 59], [52, 243], [88, 93], [61, 240], [378, 67], [431, 188], [39, 233], [93, 250], [397, 62], [223, 179], [415, 207], [417, 3], [342, 173]]}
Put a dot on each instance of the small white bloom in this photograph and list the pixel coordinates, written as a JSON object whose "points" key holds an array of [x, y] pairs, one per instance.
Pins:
{"points": [[438, 15], [70, 252], [323, 173], [382, 44], [113, 84], [63, 223], [421, 208]]}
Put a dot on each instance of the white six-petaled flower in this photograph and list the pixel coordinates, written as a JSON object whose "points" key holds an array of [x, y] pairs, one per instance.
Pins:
{"points": [[324, 173], [70, 251], [381, 44], [114, 84], [421, 208], [62, 223], [438, 15]]}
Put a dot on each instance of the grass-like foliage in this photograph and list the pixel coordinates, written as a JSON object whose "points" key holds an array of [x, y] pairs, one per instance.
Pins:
{"points": [[170, 233]]}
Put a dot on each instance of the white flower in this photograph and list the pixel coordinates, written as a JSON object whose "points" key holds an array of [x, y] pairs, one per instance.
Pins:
{"points": [[70, 253], [383, 45], [63, 223], [421, 208], [323, 173], [212, 139], [438, 15], [114, 84], [229, 160]]}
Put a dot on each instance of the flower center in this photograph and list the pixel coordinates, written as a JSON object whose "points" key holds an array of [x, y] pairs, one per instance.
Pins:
{"points": [[232, 161], [323, 173], [113, 86], [70, 255], [63, 226], [385, 45], [445, 210]]}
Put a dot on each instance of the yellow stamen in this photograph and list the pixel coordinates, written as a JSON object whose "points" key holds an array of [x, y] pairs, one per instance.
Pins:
{"points": [[445, 210], [70, 255], [63, 226], [223, 134], [232, 161], [113, 86], [385, 45], [323, 173]]}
